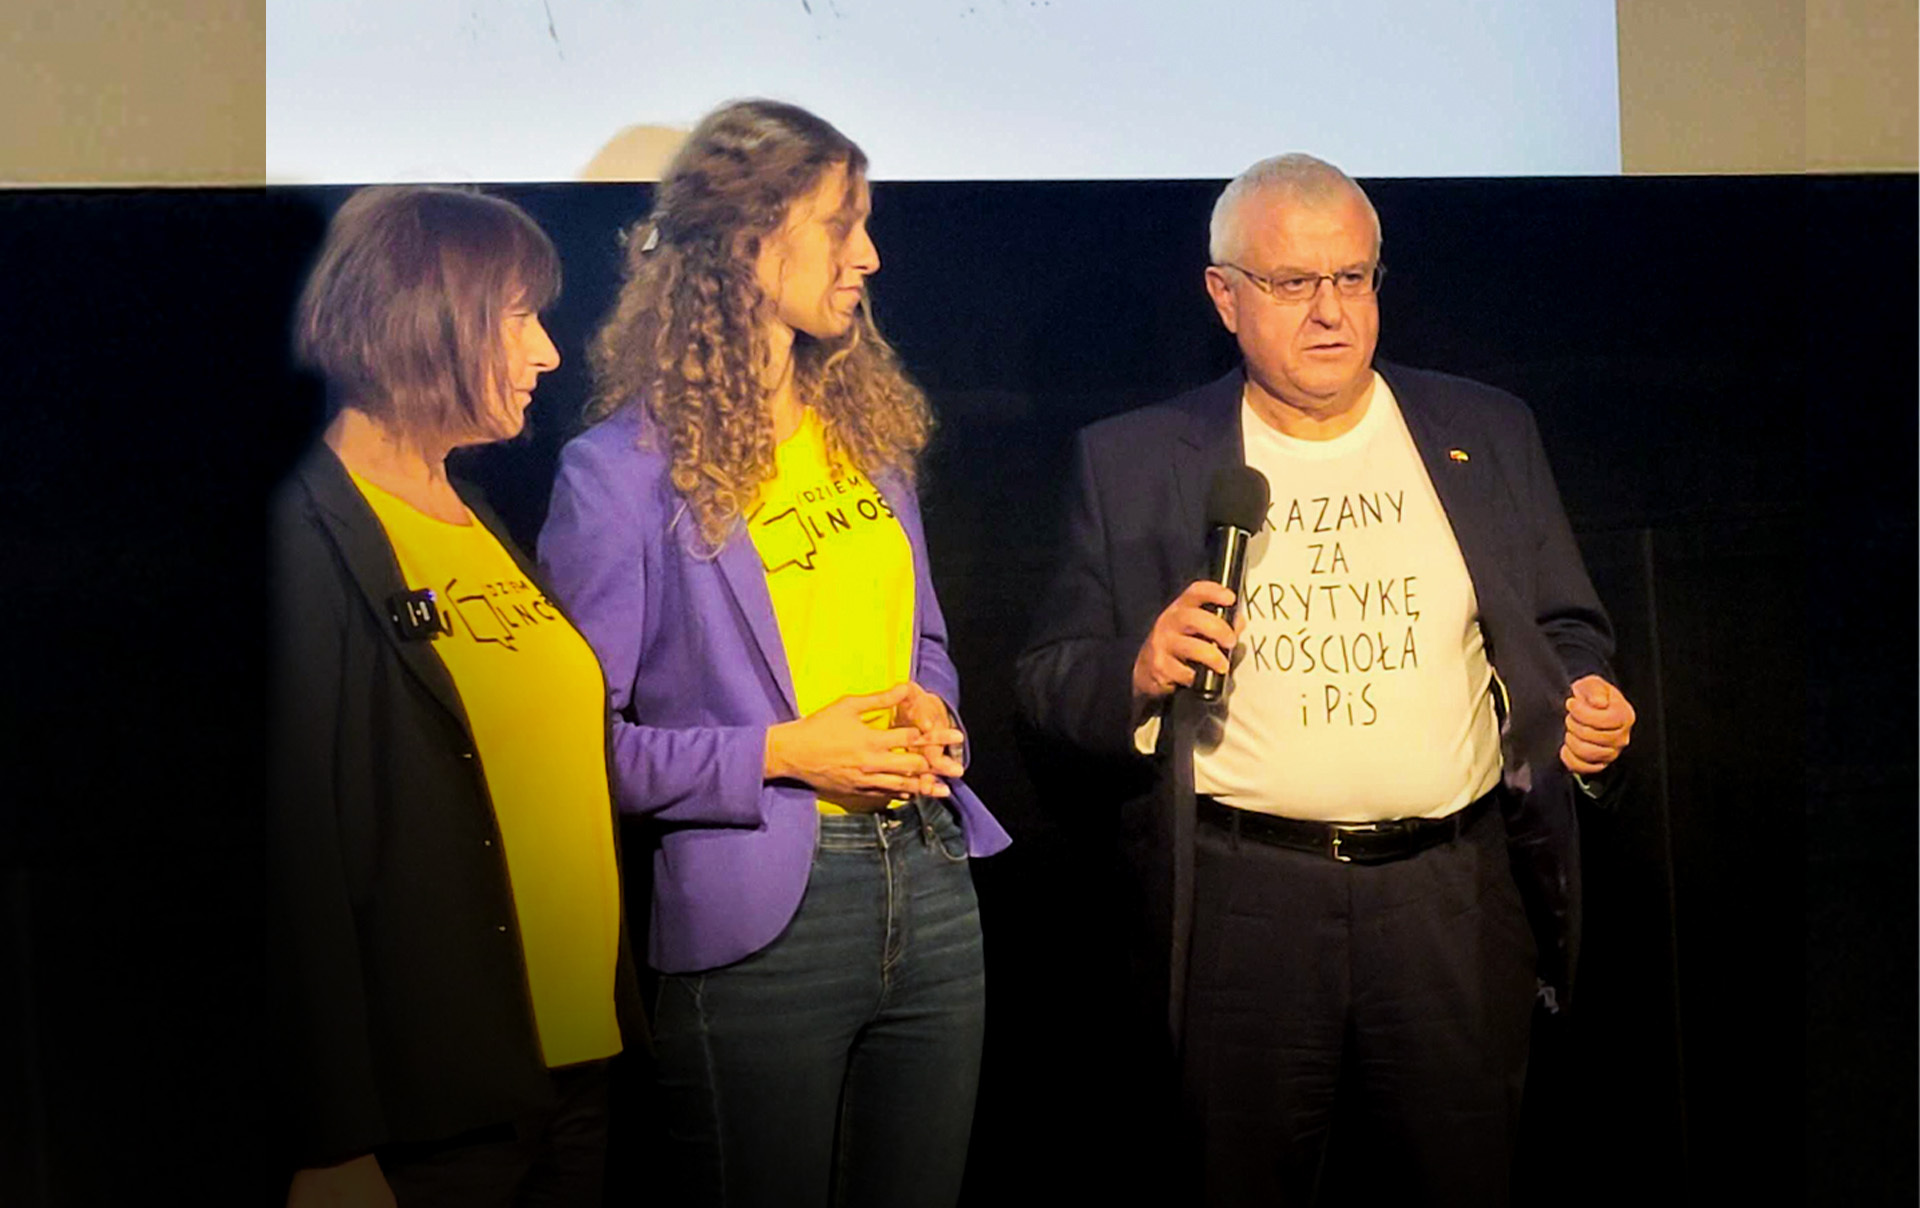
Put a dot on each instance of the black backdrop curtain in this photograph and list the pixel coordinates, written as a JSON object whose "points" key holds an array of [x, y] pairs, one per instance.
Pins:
{"points": [[1724, 375]]}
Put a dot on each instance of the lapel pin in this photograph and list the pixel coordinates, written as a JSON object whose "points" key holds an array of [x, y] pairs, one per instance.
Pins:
{"points": [[1457, 454]]}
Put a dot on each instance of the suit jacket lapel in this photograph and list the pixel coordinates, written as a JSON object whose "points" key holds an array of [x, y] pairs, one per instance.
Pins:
{"points": [[368, 555], [746, 579], [1461, 484], [1211, 440]]}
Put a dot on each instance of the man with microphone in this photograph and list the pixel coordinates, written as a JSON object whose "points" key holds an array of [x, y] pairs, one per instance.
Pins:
{"points": [[1353, 873]]}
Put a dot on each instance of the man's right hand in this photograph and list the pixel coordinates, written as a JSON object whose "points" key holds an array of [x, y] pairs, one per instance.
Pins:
{"points": [[353, 1184], [1182, 635]]}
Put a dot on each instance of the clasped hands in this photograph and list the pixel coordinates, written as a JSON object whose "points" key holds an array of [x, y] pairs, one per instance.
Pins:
{"points": [[838, 753], [1599, 718]]}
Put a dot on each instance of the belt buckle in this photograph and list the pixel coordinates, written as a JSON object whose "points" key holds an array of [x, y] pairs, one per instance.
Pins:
{"points": [[1351, 828]]}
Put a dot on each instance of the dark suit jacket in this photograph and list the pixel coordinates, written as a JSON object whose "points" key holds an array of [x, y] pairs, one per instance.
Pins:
{"points": [[408, 1016], [1136, 537]]}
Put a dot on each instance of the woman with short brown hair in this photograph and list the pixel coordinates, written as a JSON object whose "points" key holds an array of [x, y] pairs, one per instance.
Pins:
{"points": [[444, 855]]}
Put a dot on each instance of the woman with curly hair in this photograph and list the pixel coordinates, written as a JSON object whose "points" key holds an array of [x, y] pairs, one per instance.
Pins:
{"points": [[738, 537]]}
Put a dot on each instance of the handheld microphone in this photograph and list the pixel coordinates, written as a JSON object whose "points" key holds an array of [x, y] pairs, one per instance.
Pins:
{"points": [[1236, 508]]}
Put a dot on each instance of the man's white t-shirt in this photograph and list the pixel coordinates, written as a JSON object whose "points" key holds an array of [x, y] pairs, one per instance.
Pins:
{"points": [[1360, 688]]}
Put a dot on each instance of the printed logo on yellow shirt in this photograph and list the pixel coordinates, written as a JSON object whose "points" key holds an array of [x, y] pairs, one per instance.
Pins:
{"points": [[815, 517], [493, 612]]}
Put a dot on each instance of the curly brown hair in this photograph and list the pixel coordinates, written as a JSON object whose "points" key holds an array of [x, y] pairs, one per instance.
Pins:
{"points": [[687, 338]]}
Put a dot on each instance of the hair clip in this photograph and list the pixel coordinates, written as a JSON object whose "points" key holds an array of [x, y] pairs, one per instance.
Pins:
{"points": [[652, 241]]}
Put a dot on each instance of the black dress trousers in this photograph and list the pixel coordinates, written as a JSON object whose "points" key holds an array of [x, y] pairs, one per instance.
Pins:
{"points": [[1401, 992]]}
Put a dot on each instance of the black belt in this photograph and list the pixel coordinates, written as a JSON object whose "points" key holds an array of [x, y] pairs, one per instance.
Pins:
{"points": [[1347, 842]]}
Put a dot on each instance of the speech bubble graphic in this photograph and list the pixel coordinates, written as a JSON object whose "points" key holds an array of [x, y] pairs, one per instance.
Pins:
{"points": [[477, 613], [783, 541]]}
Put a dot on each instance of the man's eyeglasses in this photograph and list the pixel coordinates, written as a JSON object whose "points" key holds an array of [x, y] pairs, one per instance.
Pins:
{"points": [[1303, 287]]}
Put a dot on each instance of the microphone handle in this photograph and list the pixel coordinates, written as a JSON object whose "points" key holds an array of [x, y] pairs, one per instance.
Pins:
{"points": [[1226, 564]]}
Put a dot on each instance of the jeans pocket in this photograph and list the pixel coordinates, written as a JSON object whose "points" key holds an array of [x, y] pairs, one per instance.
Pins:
{"points": [[940, 827], [679, 1002]]}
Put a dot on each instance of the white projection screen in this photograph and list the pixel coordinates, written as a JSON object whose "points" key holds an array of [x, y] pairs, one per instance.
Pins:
{"points": [[536, 90]]}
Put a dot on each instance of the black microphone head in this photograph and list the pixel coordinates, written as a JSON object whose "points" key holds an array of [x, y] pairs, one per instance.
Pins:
{"points": [[1238, 497]]}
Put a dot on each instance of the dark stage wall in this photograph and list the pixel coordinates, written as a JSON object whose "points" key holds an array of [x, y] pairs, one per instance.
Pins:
{"points": [[1724, 374]]}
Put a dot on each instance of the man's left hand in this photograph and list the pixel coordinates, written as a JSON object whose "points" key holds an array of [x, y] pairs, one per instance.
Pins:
{"points": [[1599, 725]]}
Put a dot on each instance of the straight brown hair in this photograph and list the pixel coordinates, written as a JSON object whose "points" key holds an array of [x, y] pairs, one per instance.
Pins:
{"points": [[402, 312]]}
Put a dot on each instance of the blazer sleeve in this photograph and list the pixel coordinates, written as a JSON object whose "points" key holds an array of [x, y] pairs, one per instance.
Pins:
{"points": [[1566, 608], [327, 1068], [1074, 680], [601, 542], [933, 659]]}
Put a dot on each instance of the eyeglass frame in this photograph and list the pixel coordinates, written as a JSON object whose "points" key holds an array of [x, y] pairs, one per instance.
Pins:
{"points": [[1267, 285]]}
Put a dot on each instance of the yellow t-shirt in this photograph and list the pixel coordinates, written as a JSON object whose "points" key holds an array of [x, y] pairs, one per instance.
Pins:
{"points": [[535, 701], [840, 572]]}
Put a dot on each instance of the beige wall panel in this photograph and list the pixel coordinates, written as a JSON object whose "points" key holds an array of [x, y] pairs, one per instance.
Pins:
{"points": [[1862, 85], [138, 91], [1712, 85], [125, 91]]}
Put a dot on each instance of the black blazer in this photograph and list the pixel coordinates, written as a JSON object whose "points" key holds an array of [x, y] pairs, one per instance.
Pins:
{"points": [[407, 1013], [1136, 537]]}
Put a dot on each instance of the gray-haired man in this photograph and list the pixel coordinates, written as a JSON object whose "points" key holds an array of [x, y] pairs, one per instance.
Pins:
{"points": [[1326, 860]]}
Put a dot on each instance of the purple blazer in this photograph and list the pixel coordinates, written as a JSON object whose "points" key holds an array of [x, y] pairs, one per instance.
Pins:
{"points": [[696, 673]]}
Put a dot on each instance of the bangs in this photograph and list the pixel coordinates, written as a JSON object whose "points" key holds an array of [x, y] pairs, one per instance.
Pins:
{"points": [[534, 267], [402, 312]]}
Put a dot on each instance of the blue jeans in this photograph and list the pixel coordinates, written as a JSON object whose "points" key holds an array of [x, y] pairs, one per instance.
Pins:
{"points": [[838, 1064]]}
